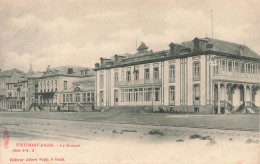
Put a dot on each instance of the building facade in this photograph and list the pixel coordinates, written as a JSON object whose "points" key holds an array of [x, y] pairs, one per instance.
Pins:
{"points": [[33, 80], [81, 96], [202, 75], [13, 90], [54, 81]]}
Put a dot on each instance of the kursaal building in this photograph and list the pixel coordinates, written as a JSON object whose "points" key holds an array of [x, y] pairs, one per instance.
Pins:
{"points": [[203, 75]]}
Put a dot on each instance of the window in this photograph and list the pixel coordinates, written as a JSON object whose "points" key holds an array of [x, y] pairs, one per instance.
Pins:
{"points": [[88, 99], [101, 81], [136, 74], [44, 85], [242, 68], [172, 95], [40, 86], [254, 69], [65, 84], [236, 67], [128, 76], [116, 77], [123, 74], [135, 94], [230, 66], [172, 73], [71, 97], [101, 97], [216, 68], [70, 70], [157, 94], [147, 94], [84, 97], [52, 85], [129, 95], [147, 73], [223, 65], [64, 99], [77, 97], [48, 85], [141, 93], [196, 71], [116, 96], [249, 68], [56, 84], [92, 97], [156, 73], [67, 97], [196, 89]]}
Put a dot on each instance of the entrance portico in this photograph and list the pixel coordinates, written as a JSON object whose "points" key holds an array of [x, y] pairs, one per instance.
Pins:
{"points": [[232, 97]]}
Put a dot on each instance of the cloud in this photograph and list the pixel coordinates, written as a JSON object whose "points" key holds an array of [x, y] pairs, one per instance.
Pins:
{"points": [[80, 32]]}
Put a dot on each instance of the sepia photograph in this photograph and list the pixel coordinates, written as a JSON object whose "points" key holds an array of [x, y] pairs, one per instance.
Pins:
{"points": [[129, 81]]}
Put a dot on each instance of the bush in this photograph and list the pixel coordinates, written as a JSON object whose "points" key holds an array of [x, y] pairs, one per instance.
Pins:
{"points": [[114, 131], [161, 110], [194, 136], [211, 140], [250, 140], [156, 132], [205, 138], [180, 140], [126, 130]]}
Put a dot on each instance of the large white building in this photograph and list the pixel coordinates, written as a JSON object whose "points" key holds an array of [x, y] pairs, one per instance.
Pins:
{"points": [[203, 75]]}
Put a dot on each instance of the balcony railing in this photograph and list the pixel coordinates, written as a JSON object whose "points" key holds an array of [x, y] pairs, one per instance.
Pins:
{"points": [[140, 82], [237, 76], [48, 90]]}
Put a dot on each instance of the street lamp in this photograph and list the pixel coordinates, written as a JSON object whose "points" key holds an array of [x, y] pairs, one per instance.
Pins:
{"points": [[19, 91]]}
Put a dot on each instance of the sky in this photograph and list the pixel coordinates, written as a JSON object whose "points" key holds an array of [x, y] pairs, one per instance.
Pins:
{"points": [[63, 32]]}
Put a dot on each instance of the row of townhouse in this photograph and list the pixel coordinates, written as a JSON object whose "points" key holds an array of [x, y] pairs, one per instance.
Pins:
{"points": [[13, 90], [68, 88], [203, 75]]}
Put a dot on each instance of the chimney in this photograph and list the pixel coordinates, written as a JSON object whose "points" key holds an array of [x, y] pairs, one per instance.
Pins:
{"points": [[96, 65]]}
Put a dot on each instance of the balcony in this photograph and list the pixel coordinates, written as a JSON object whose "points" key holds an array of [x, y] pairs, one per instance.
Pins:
{"points": [[140, 82], [237, 76]]}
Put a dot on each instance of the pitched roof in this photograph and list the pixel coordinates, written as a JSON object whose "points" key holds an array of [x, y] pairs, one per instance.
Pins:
{"points": [[232, 48], [36, 75], [63, 70], [225, 47], [12, 72], [85, 79]]}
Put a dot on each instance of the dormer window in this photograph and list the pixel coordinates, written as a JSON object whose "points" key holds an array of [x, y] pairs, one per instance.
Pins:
{"points": [[241, 50], [196, 45], [70, 70], [142, 48]]}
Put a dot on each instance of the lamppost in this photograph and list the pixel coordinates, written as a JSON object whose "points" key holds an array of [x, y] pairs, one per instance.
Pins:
{"points": [[19, 91]]}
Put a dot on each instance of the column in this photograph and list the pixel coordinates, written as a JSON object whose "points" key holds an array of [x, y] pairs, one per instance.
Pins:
{"points": [[213, 95], [218, 97], [250, 94], [244, 93], [225, 92]]}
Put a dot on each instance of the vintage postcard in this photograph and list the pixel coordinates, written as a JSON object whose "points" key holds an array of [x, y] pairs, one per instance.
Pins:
{"points": [[129, 81]]}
